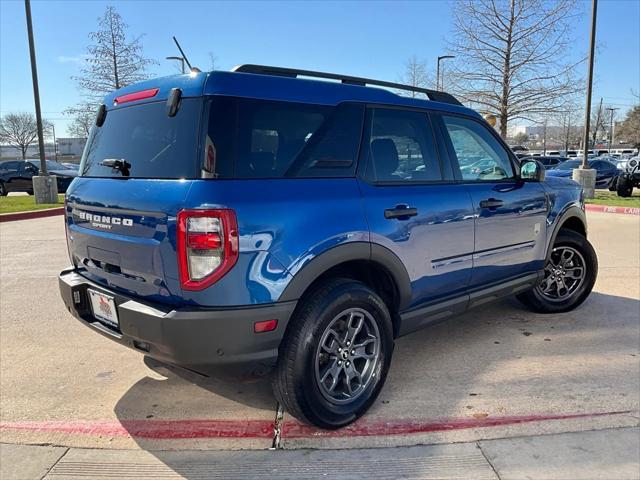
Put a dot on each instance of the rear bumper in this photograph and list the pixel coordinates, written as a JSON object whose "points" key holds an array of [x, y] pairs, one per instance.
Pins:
{"points": [[195, 338]]}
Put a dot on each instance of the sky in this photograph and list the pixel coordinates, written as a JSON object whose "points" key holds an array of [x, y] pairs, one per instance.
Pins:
{"points": [[368, 38]]}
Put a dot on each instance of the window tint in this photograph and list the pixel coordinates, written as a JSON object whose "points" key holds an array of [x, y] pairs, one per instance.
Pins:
{"points": [[152, 143], [249, 138], [401, 147], [9, 166], [480, 156]]}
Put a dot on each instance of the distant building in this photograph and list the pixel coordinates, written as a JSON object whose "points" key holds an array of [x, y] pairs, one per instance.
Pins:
{"points": [[71, 146], [68, 149]]}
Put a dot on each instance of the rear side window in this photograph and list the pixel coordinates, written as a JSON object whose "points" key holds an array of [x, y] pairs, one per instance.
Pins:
{"points": [[249, 138], [153, 144], [401, 147]]}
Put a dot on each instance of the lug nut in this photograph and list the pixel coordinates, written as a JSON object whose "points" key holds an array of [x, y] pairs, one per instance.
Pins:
{"points": [[339, 350], [348, 343], [348, 364], [353, 352], [339, 362]]}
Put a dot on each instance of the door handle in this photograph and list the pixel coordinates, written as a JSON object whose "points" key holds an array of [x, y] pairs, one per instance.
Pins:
{"points": [[401, 212], [491, 203]]}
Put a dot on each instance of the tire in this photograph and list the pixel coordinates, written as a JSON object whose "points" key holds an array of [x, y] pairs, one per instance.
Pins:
{"points": [[582, 255], [624, 187], [3, 190], [303, 363]]}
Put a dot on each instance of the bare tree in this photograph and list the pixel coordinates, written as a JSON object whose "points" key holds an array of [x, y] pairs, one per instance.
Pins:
{"points": [[597, 124], [20, 130], [213, 60], [113, 61], [510, 56], [568, 122], [84, 116], [630, 128], [416, 75]]}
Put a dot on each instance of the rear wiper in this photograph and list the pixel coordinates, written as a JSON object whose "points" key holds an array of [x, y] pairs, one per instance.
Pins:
{"points": [[119, 164]]}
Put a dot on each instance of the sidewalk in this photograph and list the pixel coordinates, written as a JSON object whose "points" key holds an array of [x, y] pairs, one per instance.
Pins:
{"points": [[598, 454]]}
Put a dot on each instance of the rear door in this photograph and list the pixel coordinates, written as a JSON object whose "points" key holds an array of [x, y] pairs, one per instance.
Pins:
{"points": [[10, 175], [510, 214], [24, 179], [413, 205]]}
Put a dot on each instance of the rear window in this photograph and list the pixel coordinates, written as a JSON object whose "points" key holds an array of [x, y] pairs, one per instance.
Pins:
{"points": [[249, 138], [153, 144]]}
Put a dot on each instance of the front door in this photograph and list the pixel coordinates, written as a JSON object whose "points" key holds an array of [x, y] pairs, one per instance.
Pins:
{"points": [[510, 214], [413, 205]]}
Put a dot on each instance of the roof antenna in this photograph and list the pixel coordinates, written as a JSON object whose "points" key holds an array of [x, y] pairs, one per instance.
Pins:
{"points": [[192, 69]]}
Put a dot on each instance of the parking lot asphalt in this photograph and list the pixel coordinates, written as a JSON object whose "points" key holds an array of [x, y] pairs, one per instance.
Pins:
{"points": [[499, 371]]}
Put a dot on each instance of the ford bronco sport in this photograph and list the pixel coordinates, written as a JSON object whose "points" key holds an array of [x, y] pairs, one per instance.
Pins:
{"points": [[254, 217]]}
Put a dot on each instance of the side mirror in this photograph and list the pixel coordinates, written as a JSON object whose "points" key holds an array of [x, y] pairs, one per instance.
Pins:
{"points": [[532, 170]]}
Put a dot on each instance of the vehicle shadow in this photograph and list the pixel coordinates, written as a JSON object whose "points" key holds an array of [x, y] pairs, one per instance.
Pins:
{"points": [[496, 360]]}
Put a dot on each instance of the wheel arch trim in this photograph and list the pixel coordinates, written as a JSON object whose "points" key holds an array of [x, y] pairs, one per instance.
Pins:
{"points": [[344, 253], [571, 212]]}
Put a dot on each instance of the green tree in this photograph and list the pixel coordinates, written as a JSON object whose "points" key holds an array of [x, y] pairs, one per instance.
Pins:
{"points": [[629, 130]]}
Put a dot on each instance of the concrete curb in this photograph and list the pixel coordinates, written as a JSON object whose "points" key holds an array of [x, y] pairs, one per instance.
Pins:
{"points": [[610, 209], [609, 453], [46, 212]]}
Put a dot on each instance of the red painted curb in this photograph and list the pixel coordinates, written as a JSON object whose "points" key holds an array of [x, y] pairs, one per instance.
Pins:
{"points": [[610, 209], [47, 212], [190, 429]]}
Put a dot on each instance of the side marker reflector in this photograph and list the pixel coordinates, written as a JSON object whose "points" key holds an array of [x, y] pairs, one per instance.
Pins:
{"points": [[265, 326]]}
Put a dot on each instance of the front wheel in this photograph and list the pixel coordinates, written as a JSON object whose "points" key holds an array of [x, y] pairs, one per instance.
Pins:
{"points": [[3, 190], [624, 187], [335, 355], [569, 275]]}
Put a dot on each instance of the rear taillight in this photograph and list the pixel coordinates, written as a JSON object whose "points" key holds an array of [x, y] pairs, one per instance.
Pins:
{"points": [[207, 246]]}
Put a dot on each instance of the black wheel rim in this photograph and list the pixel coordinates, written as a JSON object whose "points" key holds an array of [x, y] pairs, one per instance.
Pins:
{"points": [[563, 275], [347, 356]]}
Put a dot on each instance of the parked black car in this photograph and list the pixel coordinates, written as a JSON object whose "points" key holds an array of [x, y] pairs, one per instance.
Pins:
{"points": [[15, 175]]}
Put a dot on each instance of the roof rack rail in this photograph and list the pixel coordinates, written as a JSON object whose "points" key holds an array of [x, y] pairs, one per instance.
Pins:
{"points": [[294, 72]]}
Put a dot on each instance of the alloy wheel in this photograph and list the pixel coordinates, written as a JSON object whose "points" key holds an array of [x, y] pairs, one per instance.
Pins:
{"points": [[347, 356], [564, 273]]}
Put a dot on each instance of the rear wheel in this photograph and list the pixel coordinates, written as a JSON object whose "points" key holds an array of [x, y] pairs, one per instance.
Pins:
{"points": [[3, 190], [569, 275], [335, 356]]}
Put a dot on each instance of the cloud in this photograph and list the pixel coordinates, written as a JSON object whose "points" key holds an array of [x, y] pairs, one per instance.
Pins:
{"points": [[71, 59]]}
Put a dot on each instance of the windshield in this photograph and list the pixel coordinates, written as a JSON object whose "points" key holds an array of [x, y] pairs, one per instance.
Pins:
{"points": [[142, 141], [569, 165]]}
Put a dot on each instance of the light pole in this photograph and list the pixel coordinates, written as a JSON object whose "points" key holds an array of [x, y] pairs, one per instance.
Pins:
{"points": [[55, 145], [584, 175], [441, 57], [610, 127], [45, 187], [179, 59]]}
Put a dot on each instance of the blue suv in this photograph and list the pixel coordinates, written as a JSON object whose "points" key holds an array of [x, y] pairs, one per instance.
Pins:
{"points": [[252, 217]]}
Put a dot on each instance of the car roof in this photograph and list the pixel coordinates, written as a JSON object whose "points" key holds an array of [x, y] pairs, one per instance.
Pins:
{"points": [[278, 88]]}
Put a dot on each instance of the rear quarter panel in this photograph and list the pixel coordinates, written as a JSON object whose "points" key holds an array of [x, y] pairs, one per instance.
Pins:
{"points": [[283, 224]]}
